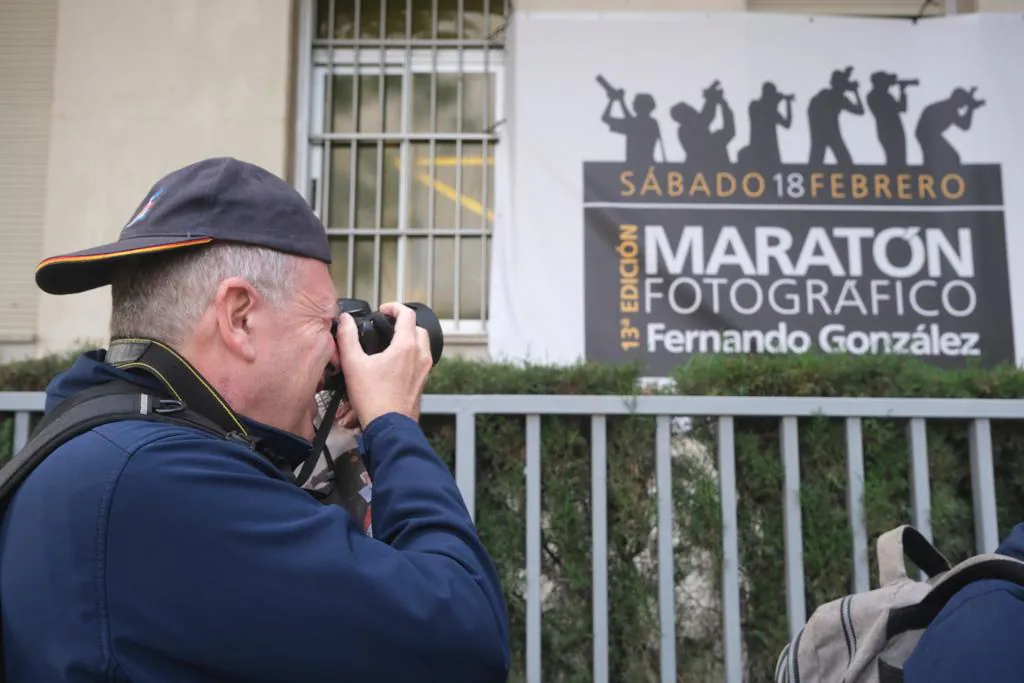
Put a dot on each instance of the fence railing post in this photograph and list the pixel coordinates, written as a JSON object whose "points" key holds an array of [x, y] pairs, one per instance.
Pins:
{"points": [[855, 504], [599, 533], [983, 487], [920, 483], [533, 549], [730, 552], [796, 611], [666, 558]]}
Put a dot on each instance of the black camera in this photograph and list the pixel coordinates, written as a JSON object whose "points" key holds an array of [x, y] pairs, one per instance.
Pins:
{"points": [[376, 330]]}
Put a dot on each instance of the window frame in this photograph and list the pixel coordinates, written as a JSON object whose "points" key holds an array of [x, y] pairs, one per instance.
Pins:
{"points": [[315, 64]]}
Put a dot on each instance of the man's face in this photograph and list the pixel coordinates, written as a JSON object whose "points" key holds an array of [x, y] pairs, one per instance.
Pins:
{"points": [[294, 349]]}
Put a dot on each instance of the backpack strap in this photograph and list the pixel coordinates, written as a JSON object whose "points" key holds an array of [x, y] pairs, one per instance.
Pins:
{"points": [[895, 545], [977, 568], [91, 408]]}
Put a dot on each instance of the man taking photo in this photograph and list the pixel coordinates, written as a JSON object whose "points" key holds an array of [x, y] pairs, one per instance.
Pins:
{"points": [[145, 550]]}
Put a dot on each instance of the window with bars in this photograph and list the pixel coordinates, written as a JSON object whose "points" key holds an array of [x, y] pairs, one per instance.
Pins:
{"points": [[404, 110]]}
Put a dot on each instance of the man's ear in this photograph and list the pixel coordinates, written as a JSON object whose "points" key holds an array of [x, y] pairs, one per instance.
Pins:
{"points": [[234, 305]]}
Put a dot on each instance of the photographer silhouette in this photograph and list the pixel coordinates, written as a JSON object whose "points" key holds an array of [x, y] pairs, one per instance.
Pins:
{"points": [[887, 109], [704, 147], [641, 130], [764, 121], [823, 116], [956, 110]]}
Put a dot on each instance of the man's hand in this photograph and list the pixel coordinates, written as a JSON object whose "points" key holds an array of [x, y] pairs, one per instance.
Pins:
{"points": [[391, 381]]}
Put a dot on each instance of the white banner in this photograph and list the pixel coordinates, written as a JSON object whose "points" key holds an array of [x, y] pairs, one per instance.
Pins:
{"points": [[691, 183]]}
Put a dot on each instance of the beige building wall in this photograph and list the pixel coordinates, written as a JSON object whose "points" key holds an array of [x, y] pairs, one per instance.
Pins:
{"points": [[28, 38], [141, 88]]}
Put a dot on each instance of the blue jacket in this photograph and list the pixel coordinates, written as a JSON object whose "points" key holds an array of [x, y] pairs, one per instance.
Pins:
{"points": [[979, 634], [149, 553]]}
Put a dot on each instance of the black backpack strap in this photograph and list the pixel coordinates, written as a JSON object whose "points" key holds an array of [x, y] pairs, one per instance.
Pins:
{"points": [[91, 408], [977, 568]]}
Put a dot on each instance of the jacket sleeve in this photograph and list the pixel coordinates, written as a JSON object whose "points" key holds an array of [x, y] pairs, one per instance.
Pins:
{"points": [[213, 562], [978, 639]]}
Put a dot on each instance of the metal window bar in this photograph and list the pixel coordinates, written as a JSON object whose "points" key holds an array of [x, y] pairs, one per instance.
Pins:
{"points": [[399, 43], [432, 156], [459, 125], [379, 147], [416, 54], [354, 150], [402, 232], [327, 124], [466, 408], [405, 163], [400, 137]]}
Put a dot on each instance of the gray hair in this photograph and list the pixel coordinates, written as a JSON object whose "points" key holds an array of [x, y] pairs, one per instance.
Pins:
{"points": [[164, 296]]}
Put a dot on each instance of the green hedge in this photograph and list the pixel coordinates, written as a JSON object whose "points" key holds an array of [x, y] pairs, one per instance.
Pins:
{"points": [[632, 556]]}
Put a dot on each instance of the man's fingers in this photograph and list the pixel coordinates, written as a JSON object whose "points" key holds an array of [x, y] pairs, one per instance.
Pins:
{"points": [[405, 317], [348, 337], [423, 341], [394, 309]]}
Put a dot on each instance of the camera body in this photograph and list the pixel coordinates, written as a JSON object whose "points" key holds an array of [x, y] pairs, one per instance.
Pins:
{"points": [[376, 329]]}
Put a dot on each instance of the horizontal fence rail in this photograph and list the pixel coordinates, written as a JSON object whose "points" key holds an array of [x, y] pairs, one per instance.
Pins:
{"points": [[977, 413]]}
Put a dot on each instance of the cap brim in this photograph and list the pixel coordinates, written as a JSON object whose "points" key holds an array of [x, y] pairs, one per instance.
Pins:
{"points": [[88, 269]]}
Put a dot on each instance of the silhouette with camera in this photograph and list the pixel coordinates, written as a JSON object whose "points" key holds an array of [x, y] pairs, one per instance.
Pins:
{"points": [[957, 110], [823, 116], [639, 127], [702, 145], [765, 118], [887, 109]]}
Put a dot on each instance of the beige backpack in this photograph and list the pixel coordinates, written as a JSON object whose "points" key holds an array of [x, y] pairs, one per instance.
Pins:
{"points": [[867, 637]]}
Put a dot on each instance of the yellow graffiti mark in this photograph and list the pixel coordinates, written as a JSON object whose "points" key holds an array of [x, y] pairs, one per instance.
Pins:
{"points": [[454, 161], [446, 190]]}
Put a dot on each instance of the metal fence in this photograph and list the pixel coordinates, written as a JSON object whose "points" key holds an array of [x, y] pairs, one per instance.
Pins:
{"points": [[977, 413]]}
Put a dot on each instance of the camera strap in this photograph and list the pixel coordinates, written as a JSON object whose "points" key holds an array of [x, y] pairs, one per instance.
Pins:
{"points": [[189, 388], [320, 441], [179, 378]]}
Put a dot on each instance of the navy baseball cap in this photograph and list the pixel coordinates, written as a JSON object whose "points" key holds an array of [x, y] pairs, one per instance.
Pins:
{"points": [[214, 200]]}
